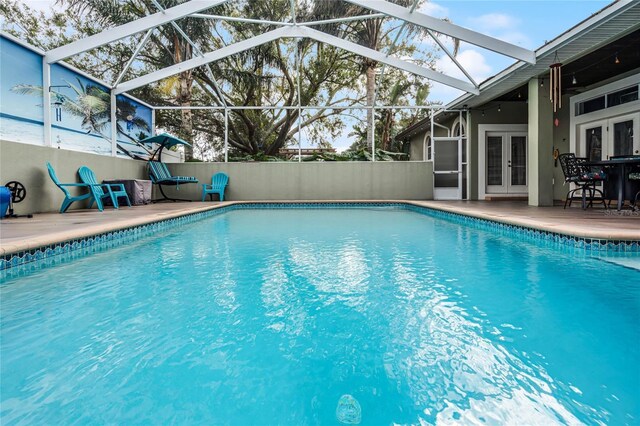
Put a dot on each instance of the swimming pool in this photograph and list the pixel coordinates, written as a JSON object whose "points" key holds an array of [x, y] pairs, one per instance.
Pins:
{"points": [[270, 316]]}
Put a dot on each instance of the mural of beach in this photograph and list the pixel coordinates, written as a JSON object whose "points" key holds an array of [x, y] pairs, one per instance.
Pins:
{"points": [[80, 108]]}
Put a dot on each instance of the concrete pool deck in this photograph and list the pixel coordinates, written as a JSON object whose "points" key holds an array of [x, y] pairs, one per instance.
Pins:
{"points": [[22, 234]]}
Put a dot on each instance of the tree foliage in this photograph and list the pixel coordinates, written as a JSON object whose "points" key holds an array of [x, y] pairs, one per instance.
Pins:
{"points": [[262, 76]]}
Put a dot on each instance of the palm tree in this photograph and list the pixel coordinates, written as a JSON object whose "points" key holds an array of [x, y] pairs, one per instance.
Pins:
{"points": [[370, 33], [92, 104]]}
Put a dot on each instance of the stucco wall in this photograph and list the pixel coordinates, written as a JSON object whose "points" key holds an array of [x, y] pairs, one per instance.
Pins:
{"points": [[248, 181], [27, 164], [416, 147], [313, 181]]}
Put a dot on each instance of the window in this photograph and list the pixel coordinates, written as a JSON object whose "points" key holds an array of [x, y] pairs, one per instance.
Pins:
{"points": [[629, 94], [427, 147], [595, 104], [623, 96]]}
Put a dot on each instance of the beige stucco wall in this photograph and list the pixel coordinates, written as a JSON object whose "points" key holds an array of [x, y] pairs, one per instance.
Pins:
{"points": [[416, 147], [27, 164], [378, 180], [248, 181]]}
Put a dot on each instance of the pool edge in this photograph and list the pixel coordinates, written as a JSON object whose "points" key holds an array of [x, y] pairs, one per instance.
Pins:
{"points": [[32, 251]]}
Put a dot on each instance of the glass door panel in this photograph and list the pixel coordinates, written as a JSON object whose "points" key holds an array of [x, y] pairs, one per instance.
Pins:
{"points": [[594, 143], [495, 164], [623, 138], [517, 163], [600, 140], [494, 160]]}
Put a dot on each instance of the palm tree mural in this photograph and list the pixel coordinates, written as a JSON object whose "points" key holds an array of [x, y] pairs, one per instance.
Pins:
{"points": [[92, 104]]}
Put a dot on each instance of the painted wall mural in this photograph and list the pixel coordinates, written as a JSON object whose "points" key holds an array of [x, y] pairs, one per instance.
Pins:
{"points": [[20, 116], [80, 108], [135, 123]]}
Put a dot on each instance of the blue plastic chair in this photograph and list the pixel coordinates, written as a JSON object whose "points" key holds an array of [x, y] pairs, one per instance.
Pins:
{"points": [[68, 198], [218, 184], [114, 190]]}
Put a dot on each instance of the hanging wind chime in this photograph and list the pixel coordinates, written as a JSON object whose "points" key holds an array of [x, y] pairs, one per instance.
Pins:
{"points": [[57, 101], [555, 84]]}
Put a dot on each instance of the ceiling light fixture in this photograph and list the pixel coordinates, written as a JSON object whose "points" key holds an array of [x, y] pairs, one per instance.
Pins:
{"points": [[574, 81], [617, 60]]}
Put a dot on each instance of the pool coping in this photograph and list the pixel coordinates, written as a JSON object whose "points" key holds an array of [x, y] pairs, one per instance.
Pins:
{"points": [[27, 251]]}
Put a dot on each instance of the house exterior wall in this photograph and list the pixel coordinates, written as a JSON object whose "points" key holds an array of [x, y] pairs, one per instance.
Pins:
{"points": [[416, 147], [510, 113], [561, 142]]}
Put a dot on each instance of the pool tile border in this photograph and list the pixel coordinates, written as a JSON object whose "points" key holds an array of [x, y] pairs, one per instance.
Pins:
{"points": [[51, 254]]}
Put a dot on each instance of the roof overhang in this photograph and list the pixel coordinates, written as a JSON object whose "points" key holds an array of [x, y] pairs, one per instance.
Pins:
{"points": [[614, 21]]}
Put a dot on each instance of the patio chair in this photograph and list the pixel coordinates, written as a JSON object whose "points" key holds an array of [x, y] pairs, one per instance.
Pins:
{"points": [[218, 184], [114, 190], [584, 177], [635, 177], [160, 175], [68, 198]]}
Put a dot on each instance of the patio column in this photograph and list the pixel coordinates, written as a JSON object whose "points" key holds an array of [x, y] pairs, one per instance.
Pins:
{"points": [[540, 146]]}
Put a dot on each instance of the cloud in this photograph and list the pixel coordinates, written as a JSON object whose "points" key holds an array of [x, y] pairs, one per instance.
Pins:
{"points": [[473, 62], [434, 9], [494, 21], [501, 26]]}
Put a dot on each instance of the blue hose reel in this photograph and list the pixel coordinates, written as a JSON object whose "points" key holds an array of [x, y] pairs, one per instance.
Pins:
{"points": [[5, 200], [11, 193]]}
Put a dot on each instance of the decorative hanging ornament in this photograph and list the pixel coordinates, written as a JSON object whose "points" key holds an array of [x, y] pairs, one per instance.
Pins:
{"points": [[555, 84]]}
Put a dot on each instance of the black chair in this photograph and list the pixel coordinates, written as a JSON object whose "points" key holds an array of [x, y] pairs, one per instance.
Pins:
{"points": [[634, 177], [584, 177]]}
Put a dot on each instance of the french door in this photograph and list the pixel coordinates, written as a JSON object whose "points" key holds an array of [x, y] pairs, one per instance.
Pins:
{"points": [[612, 137], [506, 162]]}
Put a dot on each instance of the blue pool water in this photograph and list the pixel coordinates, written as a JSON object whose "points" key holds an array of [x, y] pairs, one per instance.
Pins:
{"points": [[274, 316]]}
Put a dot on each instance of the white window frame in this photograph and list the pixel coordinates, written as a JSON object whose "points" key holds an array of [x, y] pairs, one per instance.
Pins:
{"points": [[427, 150], [576, 145]]}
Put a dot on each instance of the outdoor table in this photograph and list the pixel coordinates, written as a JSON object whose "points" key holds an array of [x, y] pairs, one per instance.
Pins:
{"points": [[623, 165]]}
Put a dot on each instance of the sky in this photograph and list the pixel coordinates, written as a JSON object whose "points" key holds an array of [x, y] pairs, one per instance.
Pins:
{"points": [[526, 23]]}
